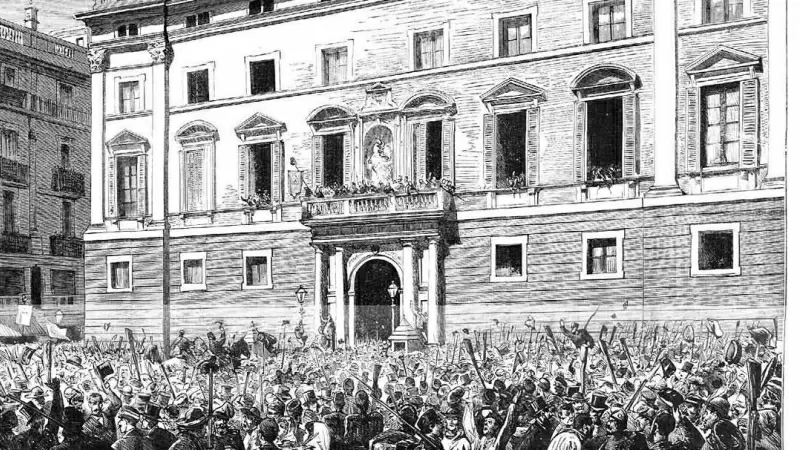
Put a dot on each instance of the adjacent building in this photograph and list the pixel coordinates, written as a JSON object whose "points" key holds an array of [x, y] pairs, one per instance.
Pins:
{"points": [[44, 178], [546, 159]]}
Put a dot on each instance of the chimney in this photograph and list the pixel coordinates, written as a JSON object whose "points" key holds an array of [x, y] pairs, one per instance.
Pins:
{"points": [[32, 17]]}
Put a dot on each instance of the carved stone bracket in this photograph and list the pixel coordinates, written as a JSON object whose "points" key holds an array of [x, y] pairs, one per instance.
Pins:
{"points": [[161, 52], [98, 59]]}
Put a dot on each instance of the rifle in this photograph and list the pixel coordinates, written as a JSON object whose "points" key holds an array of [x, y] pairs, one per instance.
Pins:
{"points": [[635, 395], [469, 349], [604, 348]]}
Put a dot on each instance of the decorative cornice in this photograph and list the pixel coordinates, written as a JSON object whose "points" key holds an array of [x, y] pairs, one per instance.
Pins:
{"points": [[98, 59], [161, 52]]}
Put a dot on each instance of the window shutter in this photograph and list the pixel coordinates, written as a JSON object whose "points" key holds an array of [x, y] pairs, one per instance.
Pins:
{"points": [[420, 141], [448, 150], [488, 150], [141, 179], [693, 130], [347, 149], [532, 147], [630, 134], [749, 157], [244, 170], [112, 187], [277, 171], [580, 140], [316, 143]]}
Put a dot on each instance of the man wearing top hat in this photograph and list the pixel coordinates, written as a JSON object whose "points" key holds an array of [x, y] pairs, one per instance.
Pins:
{"points": [[160, 438], [335, 420], [597, 407], [130, 437]]}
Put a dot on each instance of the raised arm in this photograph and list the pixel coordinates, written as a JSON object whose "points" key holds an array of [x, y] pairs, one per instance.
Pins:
{"points": [[508, 426]]}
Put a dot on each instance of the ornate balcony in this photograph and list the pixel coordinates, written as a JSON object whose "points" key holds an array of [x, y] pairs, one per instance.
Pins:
{"points": [[13, 171], [69, 246], [68, 181], [58, 110], [15, 243]]}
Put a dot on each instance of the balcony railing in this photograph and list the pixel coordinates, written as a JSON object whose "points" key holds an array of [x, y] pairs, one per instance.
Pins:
{"points": [[15, 171], [69, 246], [15, 243], [69, 181], [371, 204], [21, 99]]}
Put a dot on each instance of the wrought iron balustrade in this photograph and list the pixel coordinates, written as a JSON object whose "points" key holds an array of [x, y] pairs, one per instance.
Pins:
{"points": [[68, 246], [68, 180]]}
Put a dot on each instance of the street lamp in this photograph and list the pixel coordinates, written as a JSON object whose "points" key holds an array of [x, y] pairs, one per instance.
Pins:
{"points": [[300, 293], [393, 289]]}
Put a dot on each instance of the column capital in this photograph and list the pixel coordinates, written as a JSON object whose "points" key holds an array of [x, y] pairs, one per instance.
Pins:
{"points": [[98, 59], [161, 52]]}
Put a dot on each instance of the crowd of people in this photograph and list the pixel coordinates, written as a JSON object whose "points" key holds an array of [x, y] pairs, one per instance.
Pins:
{"points": [[639, 386]]}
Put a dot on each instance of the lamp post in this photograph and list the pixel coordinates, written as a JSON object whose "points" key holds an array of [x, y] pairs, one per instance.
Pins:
{"points": [[300, 294], [393, 289]]}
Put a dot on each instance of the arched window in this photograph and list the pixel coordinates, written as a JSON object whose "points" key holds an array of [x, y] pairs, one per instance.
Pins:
{"points": [[332, 145], [432, 125], [197, 140], [606, 136]]}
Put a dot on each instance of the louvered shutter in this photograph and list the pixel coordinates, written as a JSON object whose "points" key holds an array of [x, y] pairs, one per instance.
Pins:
{"points": [[244, 171], [141, 179], [532, 147], [420, 150], [316, 144], [693, 130], [448, 150], [277, 171], [579, 141], [630, 135], [488, 151], [749, 157], [112, 187], [347, 149], [194, 179]]}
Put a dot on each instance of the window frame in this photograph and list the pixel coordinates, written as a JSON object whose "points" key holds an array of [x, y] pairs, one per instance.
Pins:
{"points": [[261, 7], [209, 66], [275, 57], [320, 50], [696, 229], [619, 236], [191, 256], [67, 218], [110, 260], [703, 125], [3, 68], [509, 240], [74, 282], [117, 94], [59, 100], [588, 21], [700, 13], [197, 19], [4, 150], [257, 253], [499, 16], [127, 29], [412, 45]]}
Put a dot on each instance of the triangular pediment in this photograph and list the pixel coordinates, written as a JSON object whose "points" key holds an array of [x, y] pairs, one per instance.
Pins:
{"points": [[513, 91], [723, 59], [127, 138], [260, 123]]}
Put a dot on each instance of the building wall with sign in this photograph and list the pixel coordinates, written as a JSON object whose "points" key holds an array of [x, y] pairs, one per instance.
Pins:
{"points": [[569, 228], [44, 178]]}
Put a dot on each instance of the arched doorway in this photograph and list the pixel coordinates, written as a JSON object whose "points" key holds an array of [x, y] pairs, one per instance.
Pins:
{"points": [[373, 306]]}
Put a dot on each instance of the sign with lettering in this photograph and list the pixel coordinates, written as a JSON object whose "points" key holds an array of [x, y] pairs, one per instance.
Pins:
{"points": [[10, 34]]}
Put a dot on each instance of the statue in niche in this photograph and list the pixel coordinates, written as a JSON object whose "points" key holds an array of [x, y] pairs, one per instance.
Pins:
{"points": [[379, 158]]}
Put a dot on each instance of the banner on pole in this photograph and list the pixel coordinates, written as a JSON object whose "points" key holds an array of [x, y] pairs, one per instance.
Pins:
{"points": [[24, 313]]}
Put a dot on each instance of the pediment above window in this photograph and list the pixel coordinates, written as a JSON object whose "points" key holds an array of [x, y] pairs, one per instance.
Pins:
{"points": [[128, 140], [429, 103], [723, 61], [513, 92], [196, 131], [327, 117], [260, 126], [605, 79]]}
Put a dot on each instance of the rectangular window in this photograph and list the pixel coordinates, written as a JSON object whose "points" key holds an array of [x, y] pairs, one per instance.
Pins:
{"points": [[428, 49], [9, 212], [715, 249], [262, 76], [721, 118], [193, 271], [433, 150], [604, 129], [333, 164], [12, 282], [194, 20], [64, 155], [10, 145], [119, 273], [602, 255], [129, 97], [510, 148], [257, 266], [260, 6], [515, 35], [80, 41], [718, 11], [67, 226], [194, 173], [509, 259], [65, 94], [62, 282], [608, 21], [130, 29], [127, 186], [197, 86], [334, 65], [9, 76], [261, 169]]}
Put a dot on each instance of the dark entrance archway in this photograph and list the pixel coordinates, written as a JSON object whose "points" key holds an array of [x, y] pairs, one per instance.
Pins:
{"points": [[373, 306]]}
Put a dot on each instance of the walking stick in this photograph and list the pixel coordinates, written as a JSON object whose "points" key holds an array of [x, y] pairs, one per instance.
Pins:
{"points": [[469, 349], [169, 383], [604, 348]]}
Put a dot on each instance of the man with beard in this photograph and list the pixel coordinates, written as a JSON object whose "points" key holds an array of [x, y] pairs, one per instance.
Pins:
{"points": [[686, 435], [495, 436], [574, 437], [453, 437], [721, 433], [663, 425], [100, 423], [619, 438]]}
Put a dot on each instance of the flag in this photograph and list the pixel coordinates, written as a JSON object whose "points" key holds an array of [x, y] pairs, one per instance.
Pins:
{"points": [[56, 332], [24, 313]]}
